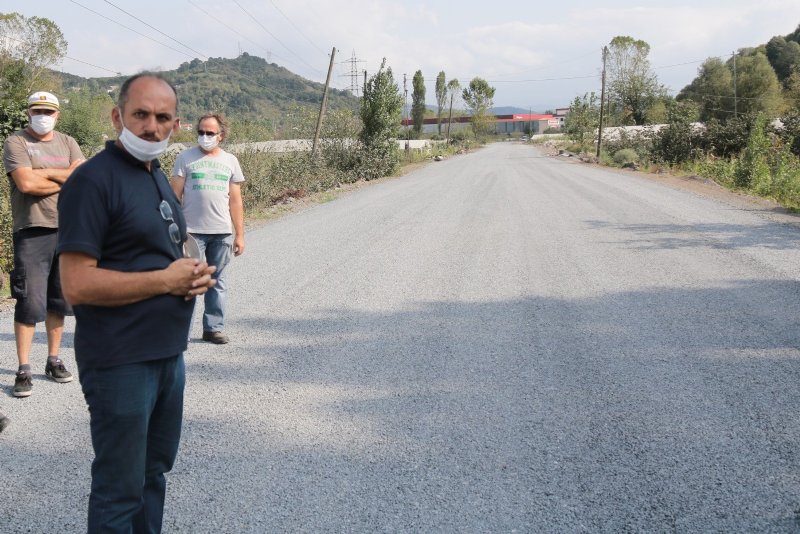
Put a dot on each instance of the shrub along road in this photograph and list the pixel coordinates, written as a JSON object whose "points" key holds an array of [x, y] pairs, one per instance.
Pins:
{"points": [[498, 342]]}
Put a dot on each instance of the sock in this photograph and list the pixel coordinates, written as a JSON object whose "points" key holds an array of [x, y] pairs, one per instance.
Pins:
{"points": [[52, 359], [26, 368]]}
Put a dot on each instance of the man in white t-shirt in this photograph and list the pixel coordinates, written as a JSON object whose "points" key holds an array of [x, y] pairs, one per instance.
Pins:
{"points": [[208, 180]]}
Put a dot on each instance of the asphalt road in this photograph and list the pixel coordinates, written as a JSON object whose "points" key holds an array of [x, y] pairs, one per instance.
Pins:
{"points": [[499, 342]]}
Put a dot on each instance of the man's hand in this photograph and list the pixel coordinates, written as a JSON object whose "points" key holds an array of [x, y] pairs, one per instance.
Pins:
{"points": [[238, 245], [188, 277]]}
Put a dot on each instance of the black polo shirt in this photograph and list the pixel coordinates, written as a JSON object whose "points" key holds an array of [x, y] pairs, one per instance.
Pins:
{"points": [[108, 209]]}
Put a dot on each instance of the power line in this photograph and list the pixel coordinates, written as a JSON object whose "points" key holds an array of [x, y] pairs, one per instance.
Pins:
{"points": [[709, 95], [131, 29], [296, 28], [156, 29], [274, 37], [269, 52], [95, 66], [212, 71], [71, 58]]}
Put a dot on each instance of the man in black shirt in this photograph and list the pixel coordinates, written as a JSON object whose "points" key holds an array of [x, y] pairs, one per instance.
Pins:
{"points": [[120, 243]]}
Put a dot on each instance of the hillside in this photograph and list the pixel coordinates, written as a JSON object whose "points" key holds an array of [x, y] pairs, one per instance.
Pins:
{"points": [[247, 87]]}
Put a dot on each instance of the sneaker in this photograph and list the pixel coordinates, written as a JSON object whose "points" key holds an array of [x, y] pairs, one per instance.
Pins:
{"points": [[218, 338], [4, 422], [23, 385], [56, 371]]}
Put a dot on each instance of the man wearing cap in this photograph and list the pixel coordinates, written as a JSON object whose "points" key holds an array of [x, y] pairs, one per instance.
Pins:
{"points": [[38, 161]]}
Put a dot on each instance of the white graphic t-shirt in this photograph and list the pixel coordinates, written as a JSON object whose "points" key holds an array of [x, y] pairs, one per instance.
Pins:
{"points": [[206, 189]]}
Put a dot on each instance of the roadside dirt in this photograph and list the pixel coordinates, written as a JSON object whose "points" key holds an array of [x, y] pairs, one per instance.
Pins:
{"points": [[703, 186]]}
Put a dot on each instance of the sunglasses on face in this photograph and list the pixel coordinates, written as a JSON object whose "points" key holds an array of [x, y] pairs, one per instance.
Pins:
{"points": [[42, 111], [209, 134]]}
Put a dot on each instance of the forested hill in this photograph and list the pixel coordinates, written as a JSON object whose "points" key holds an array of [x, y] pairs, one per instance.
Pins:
{"points": [[247, 87]]}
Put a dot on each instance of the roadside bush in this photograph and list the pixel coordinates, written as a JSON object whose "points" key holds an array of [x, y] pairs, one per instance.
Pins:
{"points": [[639, 142], [605, 158], [726, 139], [625, 156], [6, 226], [677, 143], [460, 136], [377, 160], [785, 170], [790, 133], [752, 168], [719, 170]]}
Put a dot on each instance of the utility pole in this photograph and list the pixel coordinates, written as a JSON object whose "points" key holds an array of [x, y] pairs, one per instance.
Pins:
{"points": [[450, 117], [323, 105], [735, 99], [602, 102], [530, 121], [405, 105]]}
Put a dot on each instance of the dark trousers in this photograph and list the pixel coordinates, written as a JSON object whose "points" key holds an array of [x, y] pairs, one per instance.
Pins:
{"points": [[136, 412], [35, 279]]}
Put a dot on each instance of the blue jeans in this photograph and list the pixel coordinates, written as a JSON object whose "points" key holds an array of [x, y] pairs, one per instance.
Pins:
{"points": [[217, 249], [135, 413]]}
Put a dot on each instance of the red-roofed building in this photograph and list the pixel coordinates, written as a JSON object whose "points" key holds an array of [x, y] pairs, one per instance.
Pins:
{"points": [[503, 124]]}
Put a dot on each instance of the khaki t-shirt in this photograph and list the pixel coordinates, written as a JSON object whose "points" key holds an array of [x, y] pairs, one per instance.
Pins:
{"points": [[23, 150]]}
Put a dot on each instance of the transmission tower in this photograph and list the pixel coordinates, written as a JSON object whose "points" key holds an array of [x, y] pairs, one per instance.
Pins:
{"points": [[353, 72]]}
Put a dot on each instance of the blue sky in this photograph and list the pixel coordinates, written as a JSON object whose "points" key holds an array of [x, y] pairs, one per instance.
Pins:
{"points": [[537, 54]]}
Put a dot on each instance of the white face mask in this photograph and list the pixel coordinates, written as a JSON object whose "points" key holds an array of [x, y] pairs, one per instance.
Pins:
{"points": [[139, 148], [42, 124], [208, 142]]}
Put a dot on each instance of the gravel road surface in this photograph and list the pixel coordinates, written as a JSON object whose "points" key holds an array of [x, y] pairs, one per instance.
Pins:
{"points": [[499, 342]]}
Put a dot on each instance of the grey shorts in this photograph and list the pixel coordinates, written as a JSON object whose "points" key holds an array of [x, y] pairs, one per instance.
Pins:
{"points": [[35, 280]]}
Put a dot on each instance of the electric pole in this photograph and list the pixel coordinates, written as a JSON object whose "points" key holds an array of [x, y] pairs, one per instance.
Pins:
{"points": [[323, 105], [602, 102], [405, 105], [735, 99]]}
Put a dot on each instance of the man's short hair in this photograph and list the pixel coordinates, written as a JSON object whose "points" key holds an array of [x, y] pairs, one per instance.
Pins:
{"points": [[221, 120], [122, 99]]}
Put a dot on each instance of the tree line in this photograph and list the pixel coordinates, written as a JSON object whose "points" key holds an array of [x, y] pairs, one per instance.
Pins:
{"points": [[737, 121]]}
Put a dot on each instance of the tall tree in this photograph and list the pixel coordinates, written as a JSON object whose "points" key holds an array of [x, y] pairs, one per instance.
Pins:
{"points": [[381, 113], [478, 98], [381, 107], [28, 46], [418, 102], [441, 98], [792, 93], [745, 84], [85, 118], [583, 120], [784, 56], [757, 87], [453, 89], [712, 90], [795, 35], [632, 85]]}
